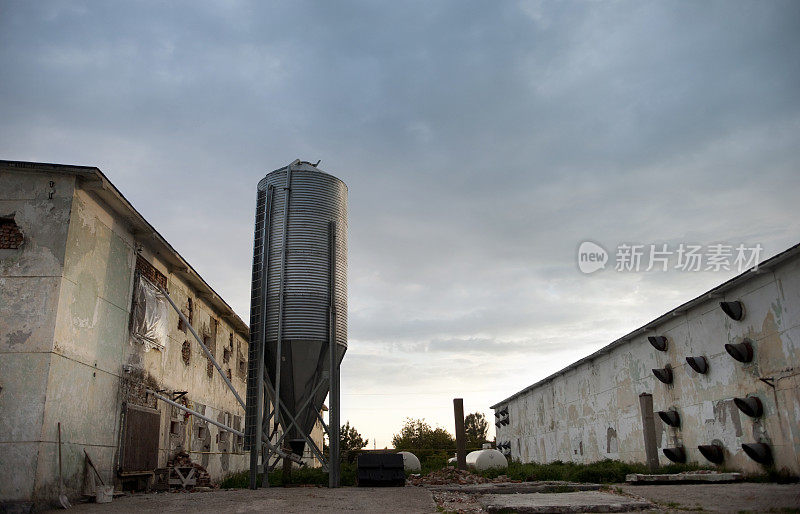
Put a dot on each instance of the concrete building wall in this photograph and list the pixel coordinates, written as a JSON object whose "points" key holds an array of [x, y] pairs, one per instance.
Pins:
{"points": [[95, 367], [591, 411], [65, 299], [30, 281]]}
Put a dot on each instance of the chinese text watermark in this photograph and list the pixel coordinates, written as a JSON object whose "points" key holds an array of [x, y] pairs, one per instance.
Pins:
{"points": [[664, 257]]}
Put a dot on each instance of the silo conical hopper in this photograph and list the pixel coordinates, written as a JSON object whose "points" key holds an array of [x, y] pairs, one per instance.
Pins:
{"points": [[302, 259]]}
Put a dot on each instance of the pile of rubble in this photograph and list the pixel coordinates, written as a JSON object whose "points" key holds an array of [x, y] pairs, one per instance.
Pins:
{"points": [[183, 460], [451, 475]]}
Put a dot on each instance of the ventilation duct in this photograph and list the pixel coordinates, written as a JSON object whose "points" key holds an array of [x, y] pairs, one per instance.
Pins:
{"points": [[712, 452], [759, 452], [664, 374], [670, 417], [677, 454], [658, 342], [734, 310], [699, 364], [742, 352], [751, 406]]}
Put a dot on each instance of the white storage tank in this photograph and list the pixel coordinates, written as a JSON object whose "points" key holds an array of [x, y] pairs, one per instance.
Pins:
{"points": [[410, 462], [488, 458]]}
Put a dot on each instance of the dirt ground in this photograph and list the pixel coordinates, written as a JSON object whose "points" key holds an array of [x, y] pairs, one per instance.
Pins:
{"points": [[737, 497], [275, 499]]}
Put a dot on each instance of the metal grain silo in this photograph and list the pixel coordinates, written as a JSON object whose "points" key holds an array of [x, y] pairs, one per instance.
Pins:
{"points": [[298, 303]]}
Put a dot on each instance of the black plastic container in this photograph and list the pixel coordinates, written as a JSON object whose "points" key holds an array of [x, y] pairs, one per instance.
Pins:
{"points": [[380, 470]]}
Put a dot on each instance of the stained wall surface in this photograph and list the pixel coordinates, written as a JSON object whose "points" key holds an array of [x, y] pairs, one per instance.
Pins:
{"points": [[30, 279], [65, 298], [591, 412]]}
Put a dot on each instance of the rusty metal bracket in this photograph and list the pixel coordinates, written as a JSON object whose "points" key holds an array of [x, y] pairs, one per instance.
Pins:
{"points": [[770, 381]]}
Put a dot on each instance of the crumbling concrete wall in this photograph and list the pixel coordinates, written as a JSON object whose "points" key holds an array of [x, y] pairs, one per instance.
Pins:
{"points": [[30, 279], [93, 356], [592, 412]]}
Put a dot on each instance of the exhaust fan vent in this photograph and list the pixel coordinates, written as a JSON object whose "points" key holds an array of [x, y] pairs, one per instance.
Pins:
{"points": [[658, 342], [670, 417], [677, 454], [742, 352], [699, 364], [734, 310], [712, 452], [751, 406], [759, 452], [664, 374]]}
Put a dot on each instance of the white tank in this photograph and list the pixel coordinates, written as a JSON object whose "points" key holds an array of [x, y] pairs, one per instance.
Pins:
{"points": [[410, 462], [481, 460]]}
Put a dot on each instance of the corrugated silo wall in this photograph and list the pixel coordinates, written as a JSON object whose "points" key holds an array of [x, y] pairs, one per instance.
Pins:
{"points": [[592, 412]]}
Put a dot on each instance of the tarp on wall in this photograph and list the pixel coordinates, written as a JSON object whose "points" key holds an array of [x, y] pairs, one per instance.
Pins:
{"points": [[149, 321]]}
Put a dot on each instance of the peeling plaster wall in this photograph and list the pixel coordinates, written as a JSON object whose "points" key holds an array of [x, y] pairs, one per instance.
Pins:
{"points": [[92, 352], [592, 412], [30, 280], [65, 298]]}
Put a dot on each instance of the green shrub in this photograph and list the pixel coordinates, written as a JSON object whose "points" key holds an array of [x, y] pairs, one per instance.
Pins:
{"points": [[299, 476]]}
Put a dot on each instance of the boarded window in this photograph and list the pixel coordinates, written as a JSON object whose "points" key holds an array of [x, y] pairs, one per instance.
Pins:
{"points": [[140, 442], [10, 235]]}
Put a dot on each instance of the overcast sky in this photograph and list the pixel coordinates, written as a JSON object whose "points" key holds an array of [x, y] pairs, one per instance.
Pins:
{"points": [[482, 142]]}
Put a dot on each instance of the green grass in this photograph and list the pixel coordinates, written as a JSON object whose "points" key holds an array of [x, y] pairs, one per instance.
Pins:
{"points": [[601, 472]]}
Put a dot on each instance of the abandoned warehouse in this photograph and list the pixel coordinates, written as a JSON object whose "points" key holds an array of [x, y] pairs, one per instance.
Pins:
{"points": [[89, 341]]}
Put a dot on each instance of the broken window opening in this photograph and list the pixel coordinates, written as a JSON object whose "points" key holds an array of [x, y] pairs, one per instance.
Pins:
{"points": [[186, 352], [189, 313], [148, 270], [11, 237]]}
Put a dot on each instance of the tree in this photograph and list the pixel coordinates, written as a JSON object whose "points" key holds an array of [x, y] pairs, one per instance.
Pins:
{"points": [[475, 429], [418, 434], [350, 439]]}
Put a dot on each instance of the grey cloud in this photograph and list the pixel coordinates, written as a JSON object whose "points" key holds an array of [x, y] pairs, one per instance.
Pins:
{"points": [[481, 143]]}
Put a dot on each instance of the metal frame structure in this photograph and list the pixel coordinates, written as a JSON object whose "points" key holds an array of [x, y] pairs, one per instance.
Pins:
{"points": [[182, 316], [269, 408]]}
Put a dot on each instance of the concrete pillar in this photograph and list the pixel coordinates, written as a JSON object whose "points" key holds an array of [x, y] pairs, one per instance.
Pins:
{"points": [[649, 430], [461, 443]]}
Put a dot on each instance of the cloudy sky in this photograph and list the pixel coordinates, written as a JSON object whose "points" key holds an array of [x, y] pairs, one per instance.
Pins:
{"points": [[482, 142]]}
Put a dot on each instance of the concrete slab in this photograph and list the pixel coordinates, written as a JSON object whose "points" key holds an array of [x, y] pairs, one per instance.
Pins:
{"points": [[745, 496], [274, 499], [550, 486], [683, 478], [585, 501]]}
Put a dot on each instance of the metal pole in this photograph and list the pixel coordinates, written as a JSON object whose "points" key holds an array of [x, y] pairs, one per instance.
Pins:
{"points": [[461, 453], [311, 444], [333, 413], [262, 341], [203, 346], [195, 413], [281, 290]]}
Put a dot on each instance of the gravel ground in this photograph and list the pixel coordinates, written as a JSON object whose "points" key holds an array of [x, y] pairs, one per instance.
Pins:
{"points": [[275, 499], [461, 503]]}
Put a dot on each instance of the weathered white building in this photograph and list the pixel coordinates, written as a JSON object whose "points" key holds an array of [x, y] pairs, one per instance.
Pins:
{"points": [[607, 404], [75, 258]]}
